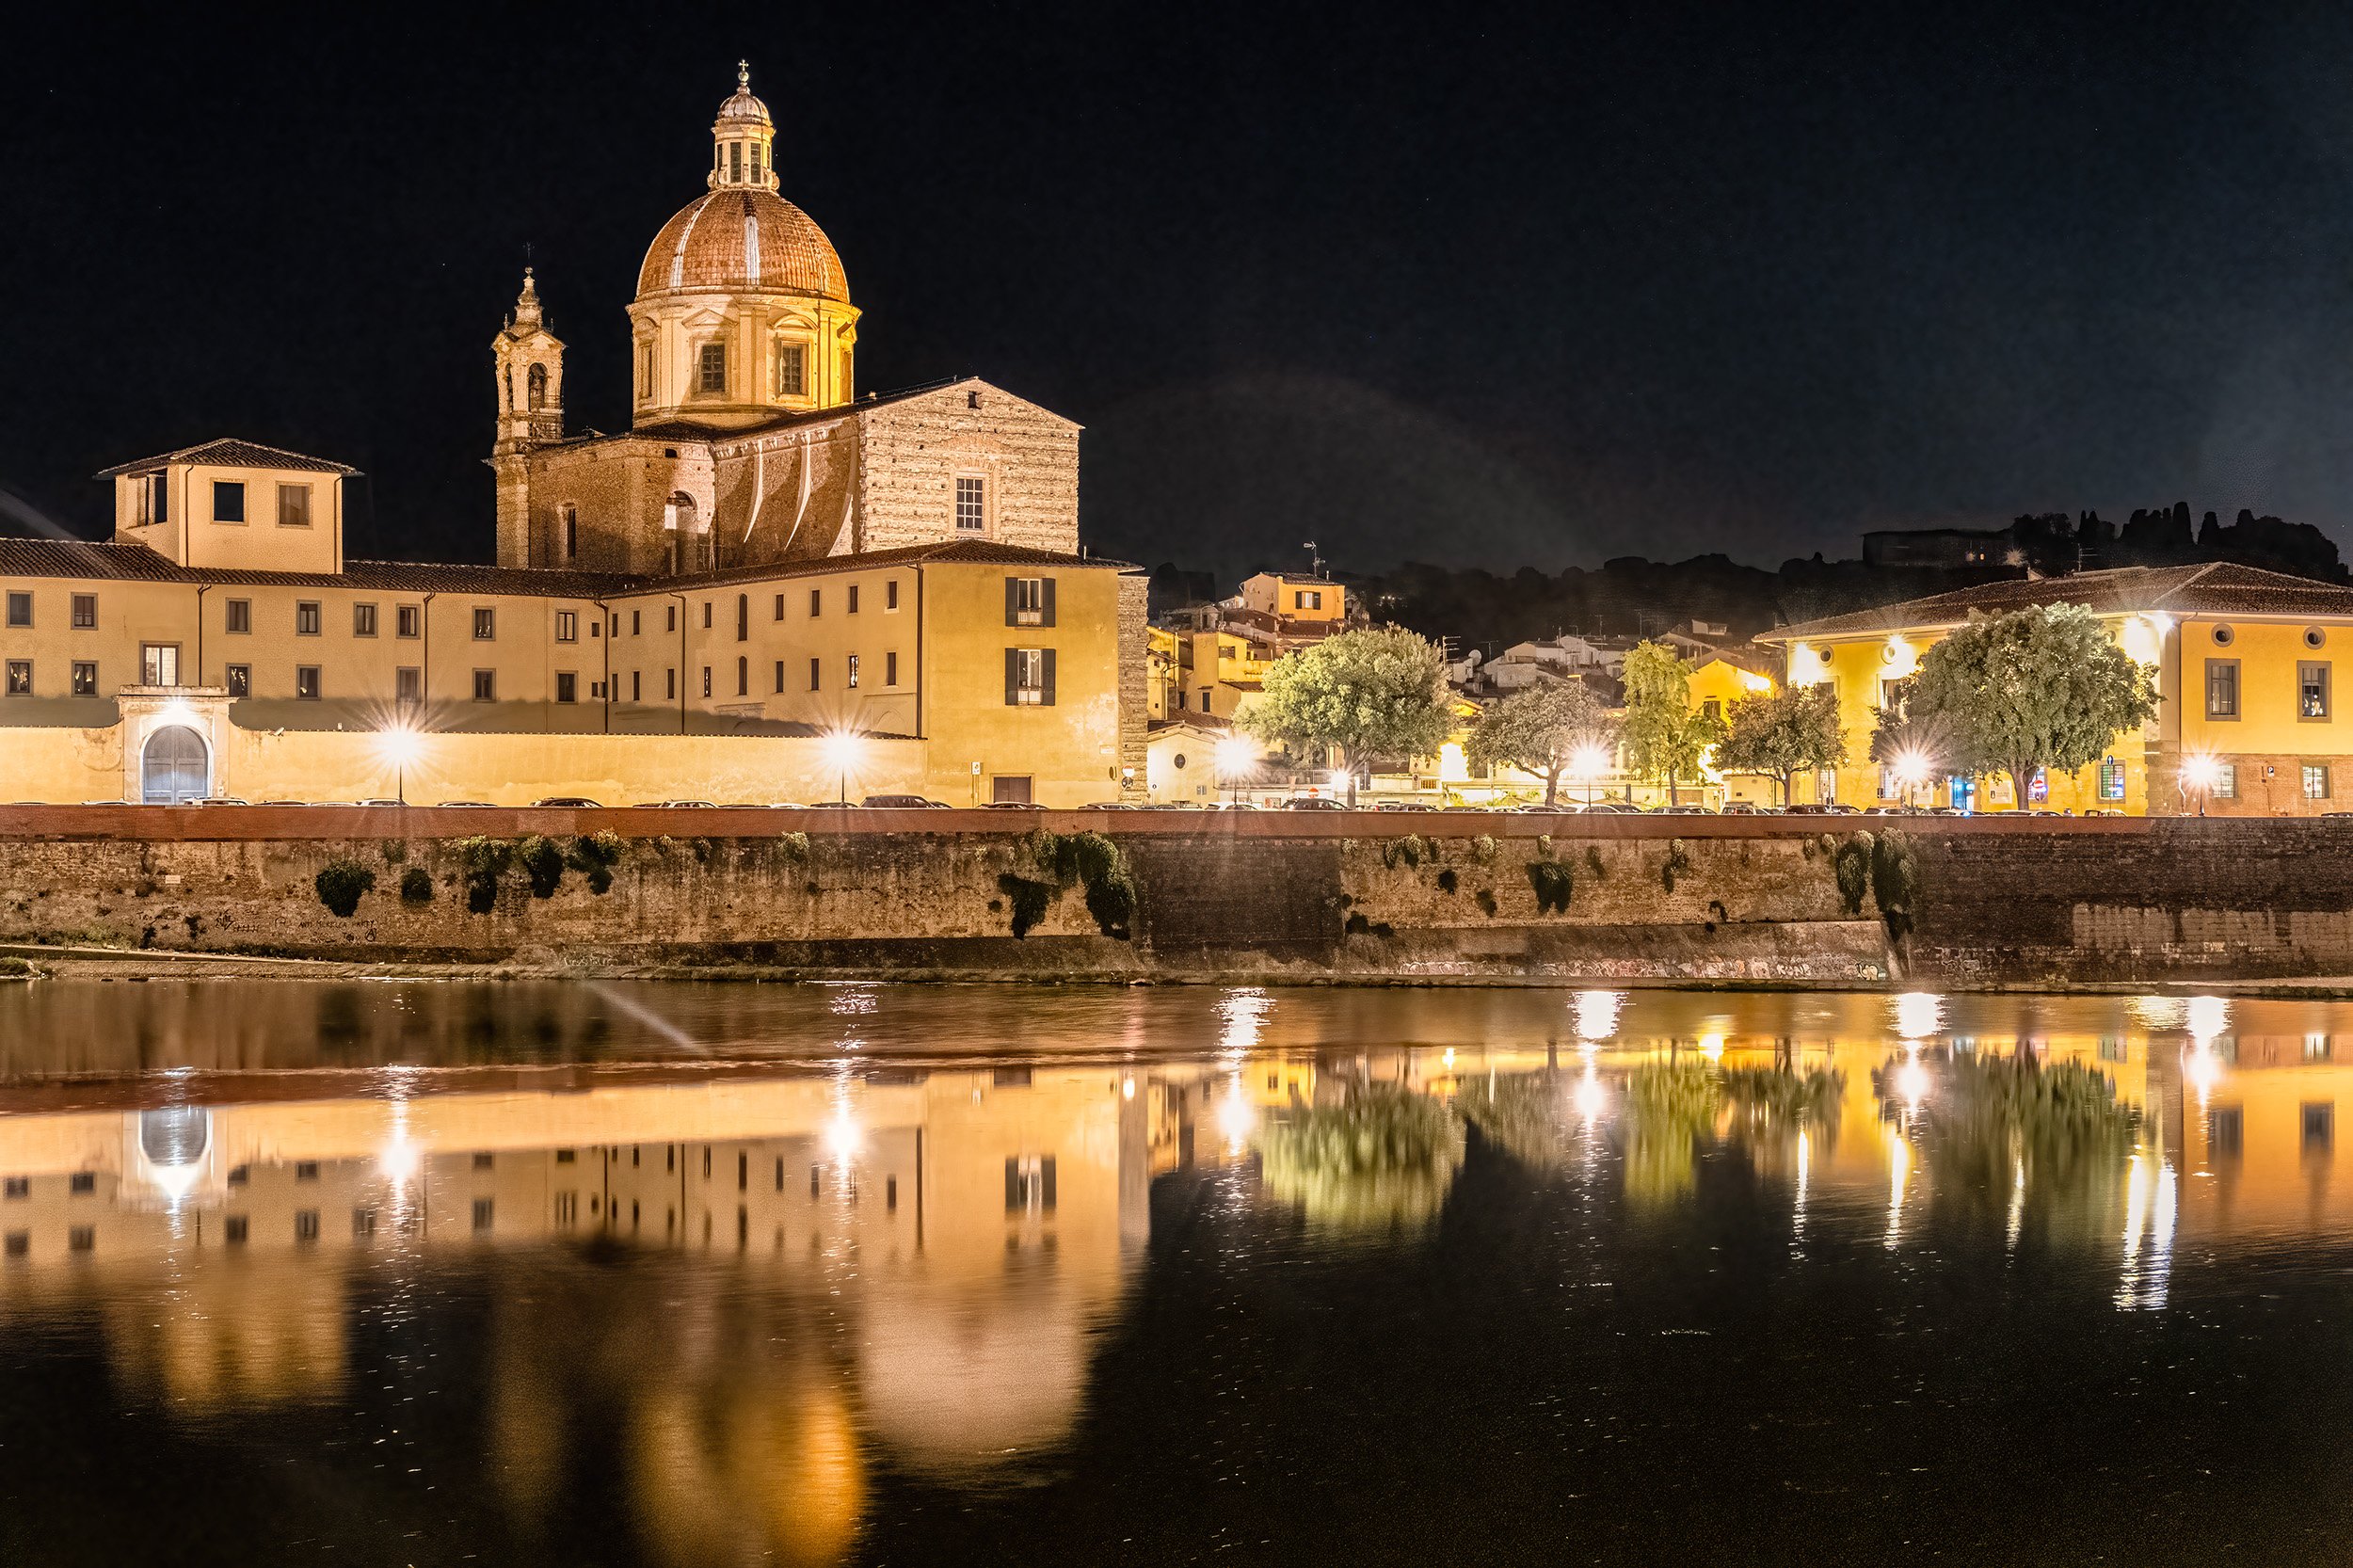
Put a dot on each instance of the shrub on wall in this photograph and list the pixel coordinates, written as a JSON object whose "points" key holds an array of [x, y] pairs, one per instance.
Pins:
{"points": [[1896, 883], [594, 857], [341, 882], [1029, 899], [1678, 862], [486, 860], [1851, 864], [542, 862], [416, 886], [1553, 884], [1411, 850]]}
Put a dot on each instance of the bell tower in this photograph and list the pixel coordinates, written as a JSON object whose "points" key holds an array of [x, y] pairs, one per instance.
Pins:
{"points": [[528, 362]]}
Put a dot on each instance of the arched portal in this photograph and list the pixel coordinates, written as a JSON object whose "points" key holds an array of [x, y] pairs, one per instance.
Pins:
{"points": [[175, 768]]}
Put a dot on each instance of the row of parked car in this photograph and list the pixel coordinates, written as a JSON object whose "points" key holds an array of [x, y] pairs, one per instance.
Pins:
{"points": [[1298, 803]]}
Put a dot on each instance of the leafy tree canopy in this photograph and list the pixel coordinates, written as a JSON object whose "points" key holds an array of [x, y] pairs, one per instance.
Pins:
{"points": [[1783, 733], [1539, 730], [1665, 737], [2044, 687], [1378, 692]]}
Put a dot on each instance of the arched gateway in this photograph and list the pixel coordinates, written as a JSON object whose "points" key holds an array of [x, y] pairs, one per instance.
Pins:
{"points": [[175, 768]]}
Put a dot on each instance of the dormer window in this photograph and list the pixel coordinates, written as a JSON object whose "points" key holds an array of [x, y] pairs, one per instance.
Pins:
{"points": [[710, 369], [294, 505]]}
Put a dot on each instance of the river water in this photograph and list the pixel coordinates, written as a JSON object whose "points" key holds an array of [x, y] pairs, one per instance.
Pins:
{"points": [[413, 1273]]}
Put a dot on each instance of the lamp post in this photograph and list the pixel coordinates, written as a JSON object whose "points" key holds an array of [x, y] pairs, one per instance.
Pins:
{"points": [[842, 747], [400, 745], [1236, 759]]}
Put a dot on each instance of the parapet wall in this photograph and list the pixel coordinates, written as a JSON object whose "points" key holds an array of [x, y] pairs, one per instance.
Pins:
{"points": [[1402, 896]]}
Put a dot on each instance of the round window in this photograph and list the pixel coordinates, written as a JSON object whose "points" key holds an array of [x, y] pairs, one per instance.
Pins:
{"points": [[2315, 636], [1180, 758], [2222, 635]]}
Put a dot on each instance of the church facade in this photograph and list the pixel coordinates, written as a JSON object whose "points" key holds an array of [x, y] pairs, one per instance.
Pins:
{"points": [[764, 562]]}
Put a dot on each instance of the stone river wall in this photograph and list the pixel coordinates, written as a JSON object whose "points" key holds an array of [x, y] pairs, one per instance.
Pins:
{"points": [[1404, 896]]}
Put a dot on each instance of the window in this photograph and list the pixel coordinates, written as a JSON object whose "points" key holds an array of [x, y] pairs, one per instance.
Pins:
{"points": [[1825, 780], [567, 626], [2111, 778], [852, 608], [853, 672], [82, 1181], [2312, 689], [1029, 1184], [1011, 791], [816, 603], [844, 390], [405, 620], [636, 686], [307, 618], [1713, 707], [1029, 677], [645, 371], [240, 615], [779, 675], [972, 505], [791, 369], [2223, 688], [743, 677], [19, 1187], [670, 683], [482, 1211], [891, 669], [1029, 602], [891, 593], [816, 674], [710, 370], [567, 687], [1889, 785], [2320, 1126], [409, 685], [227, 500], [159, 663], [571, 534], [706, 614], [85, 678], [706, 680], [20, 609], [669, 615], [85, 612], [294, 505], [742, 616], [486, 624], [536, 389], [637, 625], [154, 497], [2318, 1048], [306, 682], [2315, 780], [363, 620], [20, 678], [486, 685], [1308, 600], [240, 681], [2226, 781], [780, 609], [735, 163]]}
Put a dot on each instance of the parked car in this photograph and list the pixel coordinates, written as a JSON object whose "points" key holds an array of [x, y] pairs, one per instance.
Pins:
{"points": [[220, 800], [1743, 809], [1011, 806], [1613, 808], [1679, 812], [1399, 806], [1313, 803], [380, 802], [878, 802], [471, 805], [576, 802]]}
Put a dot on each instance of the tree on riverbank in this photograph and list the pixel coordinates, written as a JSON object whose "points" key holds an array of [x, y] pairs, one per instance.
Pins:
{"points": [[1541, 731], [1378, 692], [1665, 736], [1782, 734]]}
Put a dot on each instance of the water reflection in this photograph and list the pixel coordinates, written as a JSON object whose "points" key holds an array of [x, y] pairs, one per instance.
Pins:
{"points": [[863, 1249]]}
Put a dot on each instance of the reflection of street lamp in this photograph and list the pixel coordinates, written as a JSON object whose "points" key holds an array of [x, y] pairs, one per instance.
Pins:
{"points": [[400, 745], [1237, 760], [842, 749]]}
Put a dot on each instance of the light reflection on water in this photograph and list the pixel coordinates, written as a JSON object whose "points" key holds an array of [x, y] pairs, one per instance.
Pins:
{"points": [[881, 1273]]}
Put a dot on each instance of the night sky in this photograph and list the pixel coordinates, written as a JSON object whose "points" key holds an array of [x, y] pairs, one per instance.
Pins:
{"points": [[1429, 283]]}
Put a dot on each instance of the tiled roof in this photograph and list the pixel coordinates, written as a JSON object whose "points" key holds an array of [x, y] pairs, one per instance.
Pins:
{"points": [[739, 239], [2215, 588], [137, 563], [230, 452]]}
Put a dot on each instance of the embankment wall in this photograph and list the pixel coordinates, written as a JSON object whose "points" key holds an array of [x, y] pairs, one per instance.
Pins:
{"points": [[1276, 895]]}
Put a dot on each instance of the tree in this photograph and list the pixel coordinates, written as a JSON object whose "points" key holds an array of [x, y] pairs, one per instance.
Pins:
{"points": [[1376, 693], [1539, 730], [1783, 734], [1664, 735], [2039, 688]]}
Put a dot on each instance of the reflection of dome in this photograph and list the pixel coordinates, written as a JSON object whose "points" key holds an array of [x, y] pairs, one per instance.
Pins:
{"points": [[953, 1389], [743, 239]]}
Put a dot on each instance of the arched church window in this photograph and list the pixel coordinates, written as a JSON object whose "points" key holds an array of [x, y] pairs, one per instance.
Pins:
{"points": [[677, 512], [735, 163], [712, 368], [755, 163], [535, 388]]}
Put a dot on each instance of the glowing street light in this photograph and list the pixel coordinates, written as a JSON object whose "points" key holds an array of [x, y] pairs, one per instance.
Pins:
{"points": [[1237, 760], [2200, 773], [1913, 768], [1587, 763], [400, 745], [842, 750]]}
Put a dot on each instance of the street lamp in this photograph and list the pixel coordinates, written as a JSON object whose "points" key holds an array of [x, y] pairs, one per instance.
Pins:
{"points": [[1237, 759], [1912, 769], [400, 745], [843, 750], [1587, 763], [2200, 773]]}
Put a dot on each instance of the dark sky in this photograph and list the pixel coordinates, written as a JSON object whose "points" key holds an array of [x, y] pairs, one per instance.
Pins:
{"points": [[1438, 282]]}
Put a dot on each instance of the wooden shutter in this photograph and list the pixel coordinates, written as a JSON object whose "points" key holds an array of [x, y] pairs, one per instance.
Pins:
{"points": [[1046, 602], [1047, 659], [1013, 602], [1013, 676]]}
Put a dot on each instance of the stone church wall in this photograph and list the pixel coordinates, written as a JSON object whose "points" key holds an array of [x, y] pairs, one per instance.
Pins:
{"points": [[913, 451]]}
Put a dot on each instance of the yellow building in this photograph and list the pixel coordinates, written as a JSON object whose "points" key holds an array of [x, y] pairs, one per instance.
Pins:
{"points": [[756, 565], [2244, 660]]}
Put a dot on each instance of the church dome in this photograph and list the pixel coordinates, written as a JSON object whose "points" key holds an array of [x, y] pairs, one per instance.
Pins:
{"points": [[742, 239]]}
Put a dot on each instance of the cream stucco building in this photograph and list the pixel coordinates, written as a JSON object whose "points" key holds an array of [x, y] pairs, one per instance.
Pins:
{"points": [[686, 609]]}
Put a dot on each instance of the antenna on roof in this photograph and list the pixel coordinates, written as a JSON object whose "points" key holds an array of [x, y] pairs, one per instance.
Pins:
{"points": [[1315, 562]]}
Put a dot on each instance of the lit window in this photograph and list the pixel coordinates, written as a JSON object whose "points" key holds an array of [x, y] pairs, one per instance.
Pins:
{"points": [[2223, 688], [159, 663], [20, 678], [486, 624], [2312, 689], [240, 682], [1029, 676], [294, 505], [2315, 780], [706, 680], [85, 678], [972, 505], [854, 671], [710, 370], [2226, 781]]}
